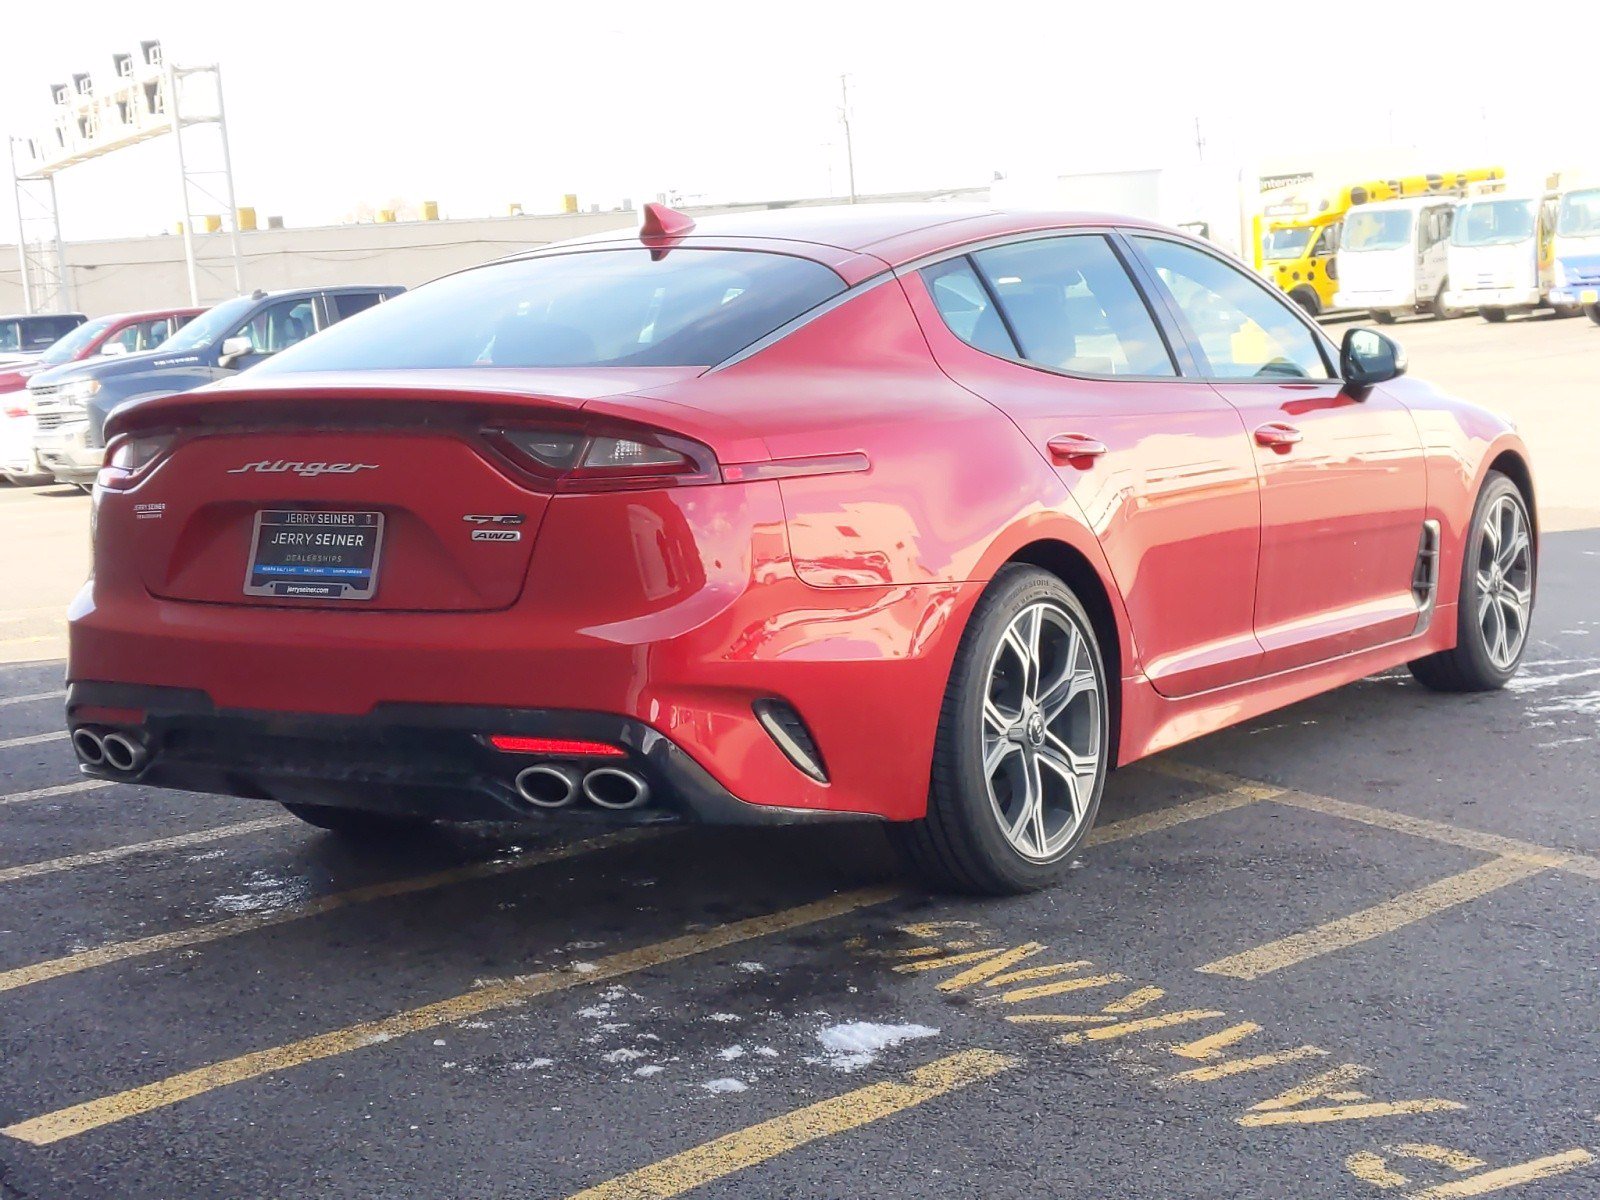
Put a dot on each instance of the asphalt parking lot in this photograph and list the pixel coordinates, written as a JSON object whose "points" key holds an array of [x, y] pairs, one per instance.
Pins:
{"points": [[1351, 949]]}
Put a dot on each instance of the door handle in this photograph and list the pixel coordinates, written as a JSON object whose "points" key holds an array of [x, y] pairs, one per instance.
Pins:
{"points": [[1277, 435], [1066, 447]]}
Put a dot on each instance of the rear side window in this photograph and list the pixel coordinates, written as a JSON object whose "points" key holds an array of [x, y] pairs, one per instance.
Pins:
{"points": [[1073, 307], [967, 308], [348, 304], [606, 308]]}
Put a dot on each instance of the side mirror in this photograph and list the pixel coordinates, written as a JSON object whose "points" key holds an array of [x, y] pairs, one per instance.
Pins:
{"points": [[233, 348], [1368, 357], [112, 349]]}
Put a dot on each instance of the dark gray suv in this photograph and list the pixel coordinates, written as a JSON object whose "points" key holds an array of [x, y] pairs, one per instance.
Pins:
{"points": [[70, 404]]}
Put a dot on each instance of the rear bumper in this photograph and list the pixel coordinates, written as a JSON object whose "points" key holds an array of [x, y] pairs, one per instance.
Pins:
{"points": [[414, 760]]}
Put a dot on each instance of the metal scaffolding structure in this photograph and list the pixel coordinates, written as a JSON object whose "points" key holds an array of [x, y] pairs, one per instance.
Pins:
{"points": [[42, 255], [147, 98]]}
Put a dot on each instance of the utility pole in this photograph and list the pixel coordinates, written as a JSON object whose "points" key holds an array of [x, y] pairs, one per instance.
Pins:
{"points": [[1199, 142], [844, 119]]}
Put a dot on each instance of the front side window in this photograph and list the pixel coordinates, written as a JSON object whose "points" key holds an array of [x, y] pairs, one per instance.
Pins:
{"points": [[1389, 230], [602, 308], [1245, 331], [1072, 307], [279, 326], [1327, 242]]}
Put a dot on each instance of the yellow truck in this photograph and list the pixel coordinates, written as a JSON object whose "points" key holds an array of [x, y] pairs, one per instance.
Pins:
{"points": [[1298, 232]]}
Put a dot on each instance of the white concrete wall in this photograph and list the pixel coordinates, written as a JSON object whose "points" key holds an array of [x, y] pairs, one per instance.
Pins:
{"points": [[136, 273]]}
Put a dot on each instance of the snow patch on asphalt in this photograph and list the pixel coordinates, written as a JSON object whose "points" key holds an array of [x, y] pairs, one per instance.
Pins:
{"points": [[725, 1085], [854, 1044], [264, 893]]}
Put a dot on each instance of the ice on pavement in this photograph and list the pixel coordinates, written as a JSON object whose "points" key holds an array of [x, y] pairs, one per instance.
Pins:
{"points": [[853, 1044], [724, 1085]]}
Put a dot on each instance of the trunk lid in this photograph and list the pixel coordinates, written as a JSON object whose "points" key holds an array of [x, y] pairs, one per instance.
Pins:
{"points": [[454, 530]]}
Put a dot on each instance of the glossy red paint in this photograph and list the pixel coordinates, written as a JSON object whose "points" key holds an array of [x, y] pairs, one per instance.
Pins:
{"points": [[1228, 576]]}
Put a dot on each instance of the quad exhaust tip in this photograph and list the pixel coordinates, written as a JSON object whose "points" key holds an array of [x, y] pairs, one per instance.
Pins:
{"points": [[616, 789], [88, 746], [545, 786], [123, 752]]}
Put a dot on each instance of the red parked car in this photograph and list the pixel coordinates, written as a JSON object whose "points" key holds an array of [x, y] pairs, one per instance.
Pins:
{"points": [[124, 333], [926, 515]]}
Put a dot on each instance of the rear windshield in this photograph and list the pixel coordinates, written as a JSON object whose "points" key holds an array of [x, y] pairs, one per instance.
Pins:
{"points": [[607, 308]]}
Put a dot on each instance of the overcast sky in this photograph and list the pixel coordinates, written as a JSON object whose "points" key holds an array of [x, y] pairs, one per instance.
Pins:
{"points": [[337, 105]]}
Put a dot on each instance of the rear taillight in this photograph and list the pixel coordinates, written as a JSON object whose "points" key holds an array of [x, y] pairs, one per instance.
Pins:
{"points": [[127, 458], [579, 460]]}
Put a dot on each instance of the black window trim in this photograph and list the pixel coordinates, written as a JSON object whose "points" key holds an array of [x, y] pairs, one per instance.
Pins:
{"points": [[1319, 338], [1176, 347]]}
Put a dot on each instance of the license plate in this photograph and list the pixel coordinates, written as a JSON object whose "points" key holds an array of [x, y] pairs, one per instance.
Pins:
{"points": [[1590, 296], [314, 554]]}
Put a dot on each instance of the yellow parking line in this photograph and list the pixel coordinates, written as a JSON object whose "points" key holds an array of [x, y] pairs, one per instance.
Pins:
{"points": [[757, 1144], [60, 789], [1193, 810], [33, 739], [1375, 922], [1422, 827], [196, 935], [107, 1110], [95, 857]]}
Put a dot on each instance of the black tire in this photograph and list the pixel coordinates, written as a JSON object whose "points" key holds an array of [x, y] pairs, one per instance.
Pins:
{"points": [[1383, 316], [1563, 311], [355, 822], [1492, 315], [1468, 667], [960, 845], [1308, 301], [1594, 313]]}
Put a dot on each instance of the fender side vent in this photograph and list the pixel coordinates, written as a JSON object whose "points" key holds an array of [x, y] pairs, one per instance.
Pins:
{"points": [[1425, 575], [784, 727]]}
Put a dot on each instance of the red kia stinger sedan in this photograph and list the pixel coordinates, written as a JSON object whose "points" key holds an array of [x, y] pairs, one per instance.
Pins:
{"points": [[922, 514]]}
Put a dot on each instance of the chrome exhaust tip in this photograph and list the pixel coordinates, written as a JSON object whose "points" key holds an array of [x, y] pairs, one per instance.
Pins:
{"points": [[123, 752], [545, 786], [88, 746], [613, 788]]}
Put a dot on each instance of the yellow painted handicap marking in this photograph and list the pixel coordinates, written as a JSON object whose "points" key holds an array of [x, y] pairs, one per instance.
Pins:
{"points": [[1467, 1173], [1290, 1107]]}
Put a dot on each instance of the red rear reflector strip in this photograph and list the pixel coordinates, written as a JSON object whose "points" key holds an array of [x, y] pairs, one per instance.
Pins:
{"points": [[791, 468], [94, 714], [515, 744]]}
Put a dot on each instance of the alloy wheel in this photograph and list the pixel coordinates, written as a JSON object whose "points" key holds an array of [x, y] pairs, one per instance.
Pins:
{"points": [[1505, 581], [1043, 711]]}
